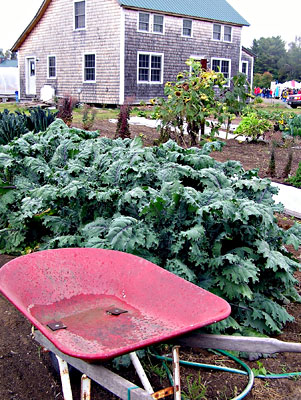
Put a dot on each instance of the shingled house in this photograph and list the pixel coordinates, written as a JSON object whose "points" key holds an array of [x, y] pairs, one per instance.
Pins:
{"points": [[103, 51]]}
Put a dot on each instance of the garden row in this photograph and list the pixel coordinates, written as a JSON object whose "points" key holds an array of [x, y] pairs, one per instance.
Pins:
{"points": [[211, 223]]}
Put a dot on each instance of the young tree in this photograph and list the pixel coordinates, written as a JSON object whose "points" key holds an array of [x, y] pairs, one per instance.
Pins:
{"points": [[190, 101], [235, 98]]}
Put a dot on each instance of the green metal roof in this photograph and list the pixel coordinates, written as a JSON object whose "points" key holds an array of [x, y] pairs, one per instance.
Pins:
{"points": [[216, 10]]}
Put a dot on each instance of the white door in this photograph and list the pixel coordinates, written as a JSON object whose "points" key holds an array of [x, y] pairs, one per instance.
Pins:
{"points": [[31, 76]]}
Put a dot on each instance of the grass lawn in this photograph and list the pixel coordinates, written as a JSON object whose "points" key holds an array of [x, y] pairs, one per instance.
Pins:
{"points": [[102, 113], [270, 107]]}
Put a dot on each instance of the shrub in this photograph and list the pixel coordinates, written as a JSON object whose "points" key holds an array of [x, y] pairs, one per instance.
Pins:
{"points": [[253, 127], [258, 100], [209, 222], [272, 164], [89, 114], [296, 179], [123, 128], [288, 165], [66, 105]]}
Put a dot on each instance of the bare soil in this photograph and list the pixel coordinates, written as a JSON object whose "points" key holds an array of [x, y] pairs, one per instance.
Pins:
{"points": [[27, 373]]}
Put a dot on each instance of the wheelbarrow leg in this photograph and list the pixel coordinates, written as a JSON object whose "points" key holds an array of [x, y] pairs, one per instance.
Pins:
{"points": [[140, 371], [65, 378], [176, 372], [85, 393]]}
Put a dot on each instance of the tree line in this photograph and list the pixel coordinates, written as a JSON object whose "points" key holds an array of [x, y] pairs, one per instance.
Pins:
{"points": [[274, 62]]}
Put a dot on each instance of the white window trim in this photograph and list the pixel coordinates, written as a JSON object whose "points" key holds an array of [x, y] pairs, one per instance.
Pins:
{"points": [[247, 68], [222, 39], [222, 59], [86, 54], [79, 29], [217, 40], [51, 77], [151, 23], [182, 28], [228, 26], [162, 68]]}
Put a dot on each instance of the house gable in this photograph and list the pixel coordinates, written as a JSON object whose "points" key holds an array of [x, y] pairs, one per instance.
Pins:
{"points": [[103, 51]]}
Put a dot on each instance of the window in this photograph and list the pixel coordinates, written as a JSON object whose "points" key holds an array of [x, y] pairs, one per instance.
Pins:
{"points": [[150, 68], [89, 68], [32, 68], [79, 14], [144, 22], [187, 27], [150, 23], [244, 67], [221, 65], [158, 23], [221, 32], [217, 32], [51, 67], [227, 34]]}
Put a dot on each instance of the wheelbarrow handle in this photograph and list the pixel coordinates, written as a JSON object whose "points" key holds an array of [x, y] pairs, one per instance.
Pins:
{"points": [[238, 343]]}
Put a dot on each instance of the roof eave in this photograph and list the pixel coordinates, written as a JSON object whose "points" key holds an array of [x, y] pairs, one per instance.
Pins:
{"points": [[248, 51], [31, 26], [182, 15]]}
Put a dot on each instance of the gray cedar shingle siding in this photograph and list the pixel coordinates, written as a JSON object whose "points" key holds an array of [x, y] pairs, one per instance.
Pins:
{"points": [[54, 35], [245, 56], [176, 49]]}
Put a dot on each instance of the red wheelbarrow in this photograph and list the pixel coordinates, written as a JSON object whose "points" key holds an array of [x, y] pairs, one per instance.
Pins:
{"points": [[93, 304]]}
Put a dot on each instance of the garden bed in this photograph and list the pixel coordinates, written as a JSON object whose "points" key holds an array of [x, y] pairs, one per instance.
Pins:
{"points": [[251, 155], [27, 374]]}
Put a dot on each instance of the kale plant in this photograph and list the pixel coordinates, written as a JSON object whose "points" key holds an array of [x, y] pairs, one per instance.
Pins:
{"points": [[211, 223]]}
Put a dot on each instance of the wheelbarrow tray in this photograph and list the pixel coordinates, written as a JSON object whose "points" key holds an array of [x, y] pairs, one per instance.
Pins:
{"points": [[96, 304]]}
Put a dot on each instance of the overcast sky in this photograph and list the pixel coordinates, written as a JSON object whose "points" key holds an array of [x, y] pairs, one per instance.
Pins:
{"points": [[267, 18]]}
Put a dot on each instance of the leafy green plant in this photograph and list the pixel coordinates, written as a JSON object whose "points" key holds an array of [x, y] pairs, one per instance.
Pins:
{"points": [[11, 126], [252, 126], [258, 100], [261, 370], [39, 119], [211, 223], [294, 126], [195, 388], [296, 179], [142, 113]]}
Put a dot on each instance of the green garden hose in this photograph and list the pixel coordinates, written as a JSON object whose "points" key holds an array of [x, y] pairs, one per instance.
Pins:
{"points": [[247, 371]]}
